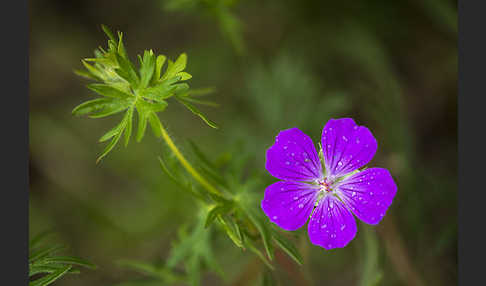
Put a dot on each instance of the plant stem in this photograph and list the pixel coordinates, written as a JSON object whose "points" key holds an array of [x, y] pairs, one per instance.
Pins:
{"points": [[187, 165]]}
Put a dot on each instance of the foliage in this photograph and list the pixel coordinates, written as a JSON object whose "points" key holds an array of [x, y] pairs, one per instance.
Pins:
{"points": [[45, 266], [125, 90], [193, 250]]}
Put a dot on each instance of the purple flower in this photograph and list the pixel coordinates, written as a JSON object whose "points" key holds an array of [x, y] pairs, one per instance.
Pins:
{"points": [[331, 196]]}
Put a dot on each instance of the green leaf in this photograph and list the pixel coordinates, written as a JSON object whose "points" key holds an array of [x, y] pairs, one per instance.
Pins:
{"points": [[114, 131], [85, 74], [147, 68], [126, 71], [288, 247], [181, 88], [108, 91], [68, 260], [159, 106], [121, 48], [158, 67], [93, 71], [108, 32], [37, 269], [201, 91], [111, 108], [196, 111], [215, 212], [184, 75], [201, 102], [43, 252], [161, 91], [128, 130], [110, 146], [48, 279], [142, 120], [91, 106], [175, 67], [260, 223], [231, 229]]}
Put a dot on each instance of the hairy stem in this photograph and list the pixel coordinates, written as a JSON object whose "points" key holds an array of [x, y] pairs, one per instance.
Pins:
{"points": [[187, 165]]}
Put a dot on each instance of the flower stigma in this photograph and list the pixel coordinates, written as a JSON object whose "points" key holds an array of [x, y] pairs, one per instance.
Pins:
{"points": [[325, 185]]}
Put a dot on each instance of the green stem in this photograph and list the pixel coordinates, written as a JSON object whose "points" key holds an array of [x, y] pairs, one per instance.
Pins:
{"points": [[187, 165]]}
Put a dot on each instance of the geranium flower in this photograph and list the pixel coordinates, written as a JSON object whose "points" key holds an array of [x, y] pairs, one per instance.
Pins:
{"points": [[331, 196]]}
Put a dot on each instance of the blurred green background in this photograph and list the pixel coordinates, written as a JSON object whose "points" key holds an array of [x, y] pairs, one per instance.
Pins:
{"points": [[391, 65]]}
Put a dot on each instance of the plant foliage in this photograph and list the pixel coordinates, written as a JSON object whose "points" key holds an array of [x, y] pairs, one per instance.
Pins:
{"points": [[46, 266], [144, 91]]}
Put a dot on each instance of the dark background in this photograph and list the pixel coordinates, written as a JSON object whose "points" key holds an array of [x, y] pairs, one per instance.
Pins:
{"points": [[391, 65]]}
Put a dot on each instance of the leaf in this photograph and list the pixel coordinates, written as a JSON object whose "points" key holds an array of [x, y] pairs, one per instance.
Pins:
{"points": [[161, 91], [175, 67], [288, 247], [142, 120], [85, 74], [68, 260], [114, 131], [196, 111], [201, 102], [109, 146], [184, 75], [45, 251], [111, 108], [126, 71], [108, 32], [121, 48], [128, 130], [201, 91], [232, 231], [91, 106], [93, 71], [37, 269], [108, 91], [147, 68], [158, 67], [159, 106], [262, 227], [215, 212], [181, 88], [48, 279]]}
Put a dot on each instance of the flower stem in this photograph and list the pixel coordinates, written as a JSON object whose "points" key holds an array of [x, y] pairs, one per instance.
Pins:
{"points": [[187, 165]]}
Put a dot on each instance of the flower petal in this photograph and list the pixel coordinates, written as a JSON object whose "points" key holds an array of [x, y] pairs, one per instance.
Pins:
{"points": [[289, 204], [293, 157], [368, 193], [346, 146], [331, 225]]}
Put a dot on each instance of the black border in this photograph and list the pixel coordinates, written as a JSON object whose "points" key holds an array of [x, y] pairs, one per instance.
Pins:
{"points": [[471, 156], [15, 138]]}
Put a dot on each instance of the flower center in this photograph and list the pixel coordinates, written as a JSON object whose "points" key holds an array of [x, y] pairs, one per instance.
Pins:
{"points": [[325, 184]]}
